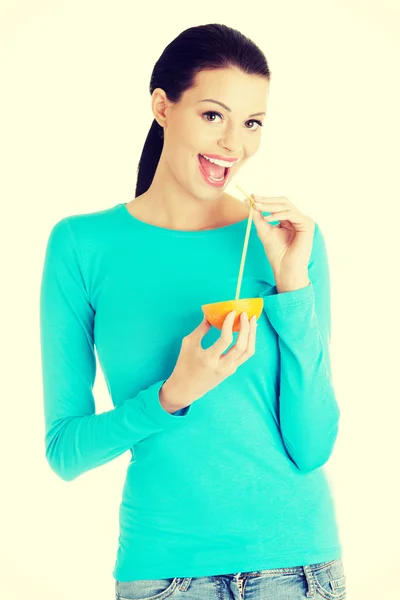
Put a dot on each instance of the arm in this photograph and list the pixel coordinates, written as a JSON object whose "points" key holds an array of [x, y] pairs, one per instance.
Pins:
{"points": [[308, 410], [77, 439]]}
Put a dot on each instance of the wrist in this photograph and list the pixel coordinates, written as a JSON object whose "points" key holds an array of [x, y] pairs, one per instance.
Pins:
{"points": [[291, 283], [168, 397]]}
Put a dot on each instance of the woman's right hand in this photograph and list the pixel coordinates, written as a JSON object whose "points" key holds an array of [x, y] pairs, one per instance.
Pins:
{"points": [[198, 371]]}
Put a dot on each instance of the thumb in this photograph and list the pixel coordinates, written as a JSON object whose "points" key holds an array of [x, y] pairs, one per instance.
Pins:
{"points": [[201, 329], [256, 214], [260, 222]]}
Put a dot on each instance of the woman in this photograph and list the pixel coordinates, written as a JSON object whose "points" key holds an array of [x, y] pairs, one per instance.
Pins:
{"points": [[225, 494]]}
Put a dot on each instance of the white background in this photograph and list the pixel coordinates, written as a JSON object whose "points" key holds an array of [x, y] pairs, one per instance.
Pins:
{"points": [[75, 111]]}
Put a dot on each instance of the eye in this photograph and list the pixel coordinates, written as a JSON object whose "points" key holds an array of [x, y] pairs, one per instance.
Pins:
{"points": [[213, 112]]}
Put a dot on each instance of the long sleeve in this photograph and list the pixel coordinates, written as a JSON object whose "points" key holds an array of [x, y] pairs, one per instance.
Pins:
{"points": [[77, 439], [308, 410]]}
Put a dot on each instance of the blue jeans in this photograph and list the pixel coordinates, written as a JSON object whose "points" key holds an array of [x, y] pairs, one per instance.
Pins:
{"points": [[321, 580]]}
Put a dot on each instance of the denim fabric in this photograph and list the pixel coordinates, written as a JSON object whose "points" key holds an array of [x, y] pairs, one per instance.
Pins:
{"points": [[320, 580]]}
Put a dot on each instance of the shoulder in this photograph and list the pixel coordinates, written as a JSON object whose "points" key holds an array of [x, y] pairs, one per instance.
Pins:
{"points": [[84, 235], [84, 224]]}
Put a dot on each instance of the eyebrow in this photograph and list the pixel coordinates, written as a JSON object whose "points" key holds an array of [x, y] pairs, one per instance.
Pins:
{"points": [[227, 107]]}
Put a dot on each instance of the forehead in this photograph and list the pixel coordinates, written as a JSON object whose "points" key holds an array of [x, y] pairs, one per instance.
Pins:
{"points": [[230, 86]]}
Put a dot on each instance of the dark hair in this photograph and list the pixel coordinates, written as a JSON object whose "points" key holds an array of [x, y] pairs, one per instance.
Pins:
{"points": [[213, 46]]}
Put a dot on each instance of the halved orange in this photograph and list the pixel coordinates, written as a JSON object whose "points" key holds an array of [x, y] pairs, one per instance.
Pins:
{"points": [[216, 312]]}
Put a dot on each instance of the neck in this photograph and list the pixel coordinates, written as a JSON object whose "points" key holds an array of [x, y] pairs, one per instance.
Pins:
{"points": [[168, 204]]}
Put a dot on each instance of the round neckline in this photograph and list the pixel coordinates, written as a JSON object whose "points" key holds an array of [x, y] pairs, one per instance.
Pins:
{"points": [[178, 232]]}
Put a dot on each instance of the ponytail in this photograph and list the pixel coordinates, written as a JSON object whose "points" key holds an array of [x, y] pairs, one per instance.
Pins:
{"points": [[149, 158]]}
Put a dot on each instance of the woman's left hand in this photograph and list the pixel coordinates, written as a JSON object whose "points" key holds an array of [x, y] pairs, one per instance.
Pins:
{"points": [[287, 245]]}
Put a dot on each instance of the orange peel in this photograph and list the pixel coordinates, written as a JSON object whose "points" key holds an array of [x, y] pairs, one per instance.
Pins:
{"points": [[216, 312]]}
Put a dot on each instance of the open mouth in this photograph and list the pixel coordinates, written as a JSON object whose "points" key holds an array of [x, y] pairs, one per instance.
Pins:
{"points": [[211, 180]]}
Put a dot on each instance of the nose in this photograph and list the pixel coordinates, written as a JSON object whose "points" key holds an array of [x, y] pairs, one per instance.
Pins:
{"points": [[232, 150], [231, 141]]}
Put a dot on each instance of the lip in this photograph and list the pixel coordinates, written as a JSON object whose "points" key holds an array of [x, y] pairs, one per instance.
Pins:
{"points": [[219, 157], [218, 184]]}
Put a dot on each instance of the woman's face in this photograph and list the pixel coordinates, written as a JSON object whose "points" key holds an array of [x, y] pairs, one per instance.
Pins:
{"points": [[196, 125]]}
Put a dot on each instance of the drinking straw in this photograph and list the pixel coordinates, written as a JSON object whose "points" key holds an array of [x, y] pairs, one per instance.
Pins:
{"points": [[246, 241]]}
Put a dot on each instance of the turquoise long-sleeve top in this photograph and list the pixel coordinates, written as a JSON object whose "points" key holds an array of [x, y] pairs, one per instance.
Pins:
{"points": [[234, 482]]}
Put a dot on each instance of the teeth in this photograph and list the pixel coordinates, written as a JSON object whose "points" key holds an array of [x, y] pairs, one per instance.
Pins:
{"points": [[222, 163]]}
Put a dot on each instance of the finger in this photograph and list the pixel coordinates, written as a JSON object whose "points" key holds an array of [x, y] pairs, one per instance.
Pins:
{"points": [[273, 201], [251, 347], [280, 199], [286, 215], [200, 331], [240, 348], [225, 338], [270, 206]]}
